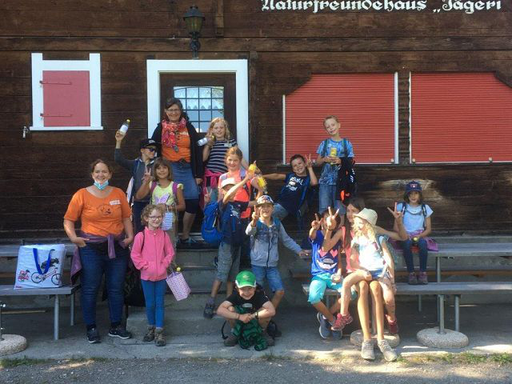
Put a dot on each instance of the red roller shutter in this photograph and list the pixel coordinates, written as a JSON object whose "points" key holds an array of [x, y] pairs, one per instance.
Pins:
{"points": [[365, 105], [460, 117], [66, 99]]}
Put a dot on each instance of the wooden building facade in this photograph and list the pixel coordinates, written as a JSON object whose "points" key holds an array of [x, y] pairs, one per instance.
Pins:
{"points": [[421, 87]]}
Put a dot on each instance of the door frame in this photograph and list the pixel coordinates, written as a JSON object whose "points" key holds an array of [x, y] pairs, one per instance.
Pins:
{"points": [[236, 67]]}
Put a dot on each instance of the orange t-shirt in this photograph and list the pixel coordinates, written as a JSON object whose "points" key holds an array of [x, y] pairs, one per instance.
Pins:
{"points": [[183, 147], [99, 216]]}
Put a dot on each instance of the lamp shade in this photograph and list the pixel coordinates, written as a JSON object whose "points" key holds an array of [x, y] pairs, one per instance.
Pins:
{"points": [[194, 20]]}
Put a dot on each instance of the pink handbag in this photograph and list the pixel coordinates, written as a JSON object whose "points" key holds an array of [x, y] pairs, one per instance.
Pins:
{"points": [[178, 285]]}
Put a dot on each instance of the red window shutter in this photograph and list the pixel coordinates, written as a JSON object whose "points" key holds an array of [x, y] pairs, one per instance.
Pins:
{"points": [[364, 104], [460, 117], [66, 99]]}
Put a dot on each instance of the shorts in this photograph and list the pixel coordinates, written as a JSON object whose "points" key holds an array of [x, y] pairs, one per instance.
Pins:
{"points": [[228, 263], [327, 198], [272, 276], [319, 284]]}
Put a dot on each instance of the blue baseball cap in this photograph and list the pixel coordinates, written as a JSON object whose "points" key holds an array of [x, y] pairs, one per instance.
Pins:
{"points": [[413, 186]]}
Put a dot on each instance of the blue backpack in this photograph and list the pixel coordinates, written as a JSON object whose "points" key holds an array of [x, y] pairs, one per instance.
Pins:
{"points": [[232, 228], [210, 228]]}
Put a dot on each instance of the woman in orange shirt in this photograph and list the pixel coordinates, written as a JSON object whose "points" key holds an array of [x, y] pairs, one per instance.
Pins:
{"points": [[179, 138], [102, 245]]}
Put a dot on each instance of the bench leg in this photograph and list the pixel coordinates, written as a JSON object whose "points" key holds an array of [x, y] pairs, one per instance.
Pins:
{"points": [[56, 308], [457, 313], [72, 309], [420, 306], [441, 315], [438, 269]]}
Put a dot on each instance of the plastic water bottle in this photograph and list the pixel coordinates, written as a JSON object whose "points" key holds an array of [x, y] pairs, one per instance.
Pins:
{"points": [[203, 141], [125, 126]]}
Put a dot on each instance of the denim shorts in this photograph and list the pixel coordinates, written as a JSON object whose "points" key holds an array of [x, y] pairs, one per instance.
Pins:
{"points": [[327, 198], [272, 276]]}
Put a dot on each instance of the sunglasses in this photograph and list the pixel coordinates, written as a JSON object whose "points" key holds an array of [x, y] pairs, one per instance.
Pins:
{"points": [[151, 149]]}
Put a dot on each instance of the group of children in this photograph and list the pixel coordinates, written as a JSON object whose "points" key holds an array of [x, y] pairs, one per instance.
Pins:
{"points": [[251, 229]]}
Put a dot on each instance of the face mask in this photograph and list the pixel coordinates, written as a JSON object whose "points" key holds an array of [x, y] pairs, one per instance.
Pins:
{"points": [[101, 187]]}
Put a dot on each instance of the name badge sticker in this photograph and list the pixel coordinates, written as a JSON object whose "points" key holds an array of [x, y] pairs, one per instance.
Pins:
{"points": [[115, 202]]}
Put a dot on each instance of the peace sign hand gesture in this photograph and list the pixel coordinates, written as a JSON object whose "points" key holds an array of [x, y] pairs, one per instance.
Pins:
{"points": [[147, 177], [315, 224], [255, 216], [398, 215], [309, 162], [330, 221]]}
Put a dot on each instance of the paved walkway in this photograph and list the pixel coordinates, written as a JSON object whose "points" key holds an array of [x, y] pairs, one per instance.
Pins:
{"points": [[487, 326]]}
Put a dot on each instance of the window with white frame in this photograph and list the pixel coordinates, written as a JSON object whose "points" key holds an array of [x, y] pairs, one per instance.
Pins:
{"points": [[202, 104], [66, 94]]}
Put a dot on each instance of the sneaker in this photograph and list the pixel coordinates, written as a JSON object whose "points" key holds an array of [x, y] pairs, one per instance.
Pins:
{"points": [[423, 279], [392, 325], [337, 335], [412, 280], [272, 330], [325, 327], [270, 340], [119, 332], [159, 337], [209, 308], [367, 350], [388, 352], [341, 321], [150, 334], [93, 336], [231, 341]]}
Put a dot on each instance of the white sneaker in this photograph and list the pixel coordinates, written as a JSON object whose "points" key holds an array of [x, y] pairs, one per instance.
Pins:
{"points": [[388, 352], [367, 351]]}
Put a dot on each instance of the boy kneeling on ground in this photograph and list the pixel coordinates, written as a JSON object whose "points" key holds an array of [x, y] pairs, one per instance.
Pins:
{"points": [[248, 310]]}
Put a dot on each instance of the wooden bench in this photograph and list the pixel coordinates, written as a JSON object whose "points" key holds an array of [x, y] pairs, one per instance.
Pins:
{"points": [[457, 289], [56, 293]]}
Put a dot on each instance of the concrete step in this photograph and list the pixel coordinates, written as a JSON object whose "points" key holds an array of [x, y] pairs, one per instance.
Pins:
{"points": [[196, 257], [179, 322]]}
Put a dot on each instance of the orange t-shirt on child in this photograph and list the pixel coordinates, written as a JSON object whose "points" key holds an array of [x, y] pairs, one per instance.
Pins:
{"points": [[99, 216]]}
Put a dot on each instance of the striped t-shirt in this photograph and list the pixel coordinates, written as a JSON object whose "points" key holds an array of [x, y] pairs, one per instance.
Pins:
{"points": [[216, 160]]}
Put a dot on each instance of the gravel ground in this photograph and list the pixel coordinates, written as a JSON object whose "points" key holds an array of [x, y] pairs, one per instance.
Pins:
{"points": [[269, 370]]}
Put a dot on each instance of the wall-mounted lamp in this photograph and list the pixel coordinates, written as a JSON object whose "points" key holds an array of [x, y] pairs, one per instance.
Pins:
{"points": [[194, 20]]}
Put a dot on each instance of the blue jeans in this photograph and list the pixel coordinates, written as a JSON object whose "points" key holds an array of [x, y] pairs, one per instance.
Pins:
{"points": [[327, 198], [154, 292], [423, 253], [95, 262]]}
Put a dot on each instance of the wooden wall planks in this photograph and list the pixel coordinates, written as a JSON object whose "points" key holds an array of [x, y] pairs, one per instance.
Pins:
{"points": [[40, 173]]}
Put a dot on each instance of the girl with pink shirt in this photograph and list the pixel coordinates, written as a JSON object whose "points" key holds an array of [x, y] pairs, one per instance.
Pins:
{"points": [[152, 253]]}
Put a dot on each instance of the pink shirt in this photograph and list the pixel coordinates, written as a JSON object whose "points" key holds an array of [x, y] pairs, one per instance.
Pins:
{"points": [[348, 249], [153, 259]]}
